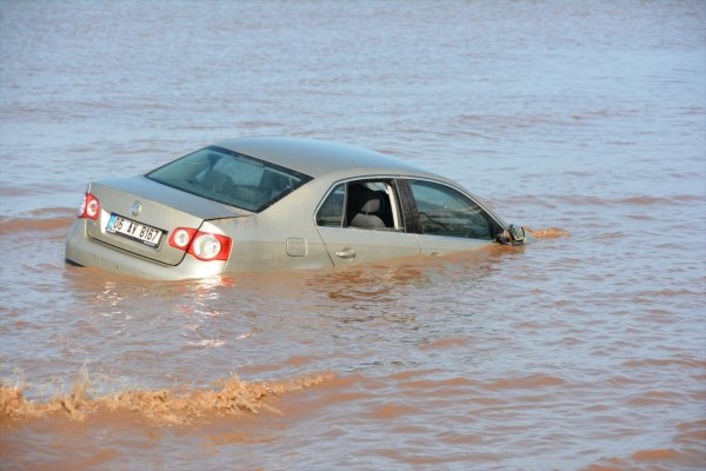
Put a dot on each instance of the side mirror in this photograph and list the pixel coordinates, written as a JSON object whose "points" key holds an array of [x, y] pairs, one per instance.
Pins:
{"points": [[513, 235]]}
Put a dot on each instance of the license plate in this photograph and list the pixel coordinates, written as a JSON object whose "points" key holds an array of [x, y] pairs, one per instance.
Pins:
{"points": [[134, 230]]}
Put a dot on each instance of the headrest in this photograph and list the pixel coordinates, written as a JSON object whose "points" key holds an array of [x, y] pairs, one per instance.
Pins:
{"points": [[372, 205], [364, 200]]}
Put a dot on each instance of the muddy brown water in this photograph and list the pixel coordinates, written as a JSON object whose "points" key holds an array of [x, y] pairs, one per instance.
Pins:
{"points": [[584, 121]]}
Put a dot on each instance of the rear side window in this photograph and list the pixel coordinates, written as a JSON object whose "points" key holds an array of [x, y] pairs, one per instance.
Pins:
{"points": [[332, 211], [444, 211], [361, 204], [230, 178]]}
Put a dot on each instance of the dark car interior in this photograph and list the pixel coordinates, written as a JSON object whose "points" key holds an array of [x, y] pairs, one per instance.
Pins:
{"points": [[367, 209]]}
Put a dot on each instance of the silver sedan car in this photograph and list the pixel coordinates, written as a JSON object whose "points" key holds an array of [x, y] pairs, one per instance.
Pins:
{"points": [[262, 204]]}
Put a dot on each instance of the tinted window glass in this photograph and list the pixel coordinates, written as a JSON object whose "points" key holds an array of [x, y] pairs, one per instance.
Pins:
{"points": [[444, 211], [331, 212], [231, 178]]}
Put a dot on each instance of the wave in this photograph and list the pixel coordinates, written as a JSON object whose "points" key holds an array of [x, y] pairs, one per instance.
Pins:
{"points": [[556, 201], [163, 407], [548, 233], [46, 219], [638, 200]]}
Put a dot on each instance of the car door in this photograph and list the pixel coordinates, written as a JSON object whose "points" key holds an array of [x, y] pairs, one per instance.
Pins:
{"points": [[360, 221], [446, 219]]}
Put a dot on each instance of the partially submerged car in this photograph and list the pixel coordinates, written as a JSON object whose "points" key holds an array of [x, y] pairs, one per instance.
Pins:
{"points": [[261, 204]]}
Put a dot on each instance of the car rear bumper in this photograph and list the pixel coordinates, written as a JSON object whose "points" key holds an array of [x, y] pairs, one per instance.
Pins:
{"points": [[83, 251]]}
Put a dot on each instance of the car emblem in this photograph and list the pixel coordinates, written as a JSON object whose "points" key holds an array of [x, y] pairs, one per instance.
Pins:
{"points": [[136, 208]]}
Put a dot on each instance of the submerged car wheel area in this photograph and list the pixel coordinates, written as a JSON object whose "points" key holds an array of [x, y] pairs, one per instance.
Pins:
{"points": [[276, 203]]}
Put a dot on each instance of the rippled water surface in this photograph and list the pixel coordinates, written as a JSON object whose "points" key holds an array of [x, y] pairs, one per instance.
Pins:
{"points": [[585, 121]]}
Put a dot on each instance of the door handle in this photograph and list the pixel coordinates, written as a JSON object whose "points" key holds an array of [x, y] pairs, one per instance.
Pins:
{"points": [[346, 253]]}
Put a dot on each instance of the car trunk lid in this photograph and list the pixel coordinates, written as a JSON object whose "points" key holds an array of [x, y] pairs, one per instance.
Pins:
{"points": [[133, 208]]}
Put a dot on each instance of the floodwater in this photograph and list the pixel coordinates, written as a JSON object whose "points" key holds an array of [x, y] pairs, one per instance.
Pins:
{"points": [[585, 121]]}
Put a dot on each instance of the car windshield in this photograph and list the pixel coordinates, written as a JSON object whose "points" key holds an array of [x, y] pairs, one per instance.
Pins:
{"points": [[229, 177]]}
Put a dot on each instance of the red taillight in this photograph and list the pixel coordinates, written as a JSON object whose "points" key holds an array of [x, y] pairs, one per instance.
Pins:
{"points": [[181, 238], [202, 245], [90, 208]]}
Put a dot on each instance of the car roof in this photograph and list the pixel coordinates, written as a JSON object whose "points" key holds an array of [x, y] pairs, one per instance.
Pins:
{"points": [[318, 158]]}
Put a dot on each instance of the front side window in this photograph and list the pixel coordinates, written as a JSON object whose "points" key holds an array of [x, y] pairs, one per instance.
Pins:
{"points": [[444, 211], [230, 178]]}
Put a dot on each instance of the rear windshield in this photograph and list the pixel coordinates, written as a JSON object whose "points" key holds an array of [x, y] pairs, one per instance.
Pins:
{"points": [[229, 177]]}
